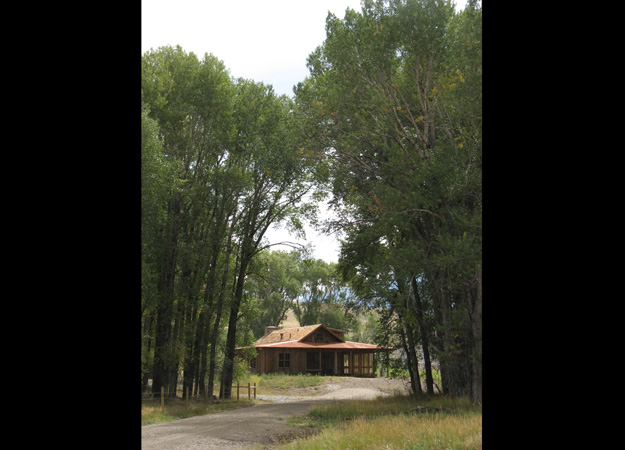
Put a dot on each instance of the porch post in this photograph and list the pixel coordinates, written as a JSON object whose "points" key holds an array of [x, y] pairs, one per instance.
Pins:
{"points": [[335, 366], [351, 364]]}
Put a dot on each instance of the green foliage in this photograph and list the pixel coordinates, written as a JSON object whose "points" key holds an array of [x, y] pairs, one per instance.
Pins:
{"points": [[323, 297], [387, 125], [394, 93], [241, 370], [275, 282], [398, 369], [219, 166], [364, 327]]}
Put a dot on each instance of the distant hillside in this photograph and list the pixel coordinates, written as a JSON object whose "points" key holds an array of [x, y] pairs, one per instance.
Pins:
{"points": [[290, 320]]}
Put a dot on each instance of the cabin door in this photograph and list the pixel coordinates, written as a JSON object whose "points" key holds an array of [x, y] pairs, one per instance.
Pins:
{"points": [[327, 363]]}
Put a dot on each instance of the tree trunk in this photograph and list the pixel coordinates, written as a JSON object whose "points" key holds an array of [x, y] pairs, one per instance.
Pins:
{"points": [[164, 310], [228, 369], [413, 382], [175, 338], [200, 376], [429, 381], [146, 374], [414, 362], [198, 353], [213, 351], [476, 357], [191, 345], [443, 337], [220, 303], [455, 363], [411, 354]]}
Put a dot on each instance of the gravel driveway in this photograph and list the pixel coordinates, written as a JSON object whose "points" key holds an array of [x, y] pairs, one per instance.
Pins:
{"points": [[259, 424]]}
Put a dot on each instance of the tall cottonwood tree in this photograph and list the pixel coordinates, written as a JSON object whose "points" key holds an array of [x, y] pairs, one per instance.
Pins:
{"points": [[279, 178], [234, 169], [393, 109], [191, 101], [155, 187], [394, 102]]}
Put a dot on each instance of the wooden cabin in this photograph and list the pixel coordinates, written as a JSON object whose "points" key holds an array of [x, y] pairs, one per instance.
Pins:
{"points": [[314, 349]]}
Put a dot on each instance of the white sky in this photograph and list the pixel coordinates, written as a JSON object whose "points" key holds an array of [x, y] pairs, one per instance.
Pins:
{"points": [[264, 40]]}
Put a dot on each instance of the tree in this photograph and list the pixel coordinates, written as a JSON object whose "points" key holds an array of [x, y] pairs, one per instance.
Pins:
{"points": [[274, 283], [233, 169], [279, 179], [190, 100], [323, 298], [393, 101], [154, 188]]}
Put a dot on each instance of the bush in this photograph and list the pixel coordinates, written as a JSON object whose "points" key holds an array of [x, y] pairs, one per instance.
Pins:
{"points": [[398, 369]]}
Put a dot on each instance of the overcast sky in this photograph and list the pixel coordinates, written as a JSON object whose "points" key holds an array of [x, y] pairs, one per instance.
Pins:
{"points": [[263, 40]]}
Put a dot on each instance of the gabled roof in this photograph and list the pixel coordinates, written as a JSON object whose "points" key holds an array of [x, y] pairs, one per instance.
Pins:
{"points": [[292, 338], [347, 345], [295, 334]]}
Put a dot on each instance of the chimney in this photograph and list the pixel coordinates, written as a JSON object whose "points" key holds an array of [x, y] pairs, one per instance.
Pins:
{"points": [[269, 330]]}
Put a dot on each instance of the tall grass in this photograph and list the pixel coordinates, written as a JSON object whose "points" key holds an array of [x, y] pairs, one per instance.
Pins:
{"points": [[394, 423], [415, 432]]}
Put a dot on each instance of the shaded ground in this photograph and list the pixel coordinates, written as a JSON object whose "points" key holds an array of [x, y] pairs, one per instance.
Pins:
{"points": [[260, 425]]}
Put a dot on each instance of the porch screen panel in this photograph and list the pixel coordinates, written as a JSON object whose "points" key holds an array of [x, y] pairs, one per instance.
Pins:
{"points": [[363, 364], [369, 365]]}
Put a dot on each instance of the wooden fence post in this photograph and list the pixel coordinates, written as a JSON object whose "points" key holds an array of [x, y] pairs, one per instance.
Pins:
{"points": [[249, 393], [237, 391], [254, 391], [187, 402], [162, 399]]}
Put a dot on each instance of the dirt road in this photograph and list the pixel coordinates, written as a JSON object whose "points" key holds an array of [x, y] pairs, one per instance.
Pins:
{"points": [[260, 424]]}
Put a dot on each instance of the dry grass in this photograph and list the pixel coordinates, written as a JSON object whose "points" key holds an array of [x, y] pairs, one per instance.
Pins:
{"points": [[283, 384], [394, 423], [422, 431], [176, 409], [290, 320]]}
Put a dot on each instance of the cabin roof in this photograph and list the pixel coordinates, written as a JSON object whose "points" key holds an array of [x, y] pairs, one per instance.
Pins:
{"points": [[292, 338], [295, 334], [346, 345]]}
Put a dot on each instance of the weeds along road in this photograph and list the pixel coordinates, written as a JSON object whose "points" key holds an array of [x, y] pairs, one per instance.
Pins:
{"points": [[236, 429], [259, 424]]}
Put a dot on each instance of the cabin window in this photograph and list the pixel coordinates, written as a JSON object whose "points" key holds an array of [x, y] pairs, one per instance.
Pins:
{"points": [[363, 364], [284, 360], [313, 361], [319, 336]]}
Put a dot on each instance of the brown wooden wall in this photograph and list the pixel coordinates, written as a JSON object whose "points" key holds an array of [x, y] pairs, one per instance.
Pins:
{"points": [[330, 362]]}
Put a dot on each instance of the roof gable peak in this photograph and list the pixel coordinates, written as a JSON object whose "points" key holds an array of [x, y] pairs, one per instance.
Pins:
{"points": [[297, 334]]}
